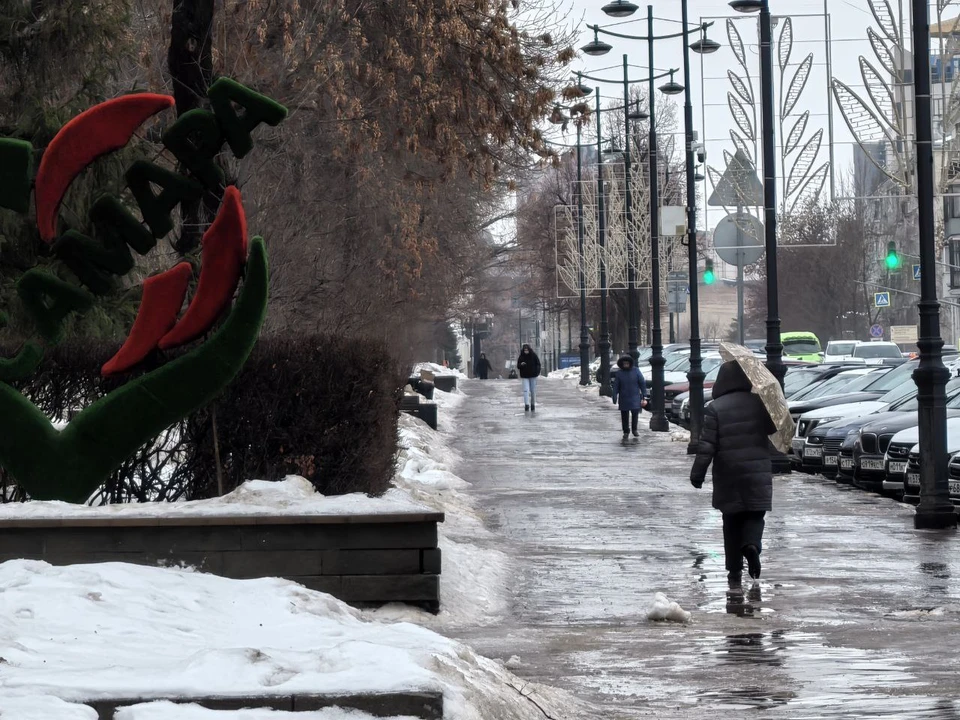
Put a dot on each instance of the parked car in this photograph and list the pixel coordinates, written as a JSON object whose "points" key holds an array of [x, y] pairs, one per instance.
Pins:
{"points": [[801, 346], [839, 350], [870, 449], [875, 353], [825, 435], [911, 485]]}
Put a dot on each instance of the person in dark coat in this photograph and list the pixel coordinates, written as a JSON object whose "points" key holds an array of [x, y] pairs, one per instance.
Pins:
{"points": [[734, 438], [483, 367], [629, 394], [528, 364]]}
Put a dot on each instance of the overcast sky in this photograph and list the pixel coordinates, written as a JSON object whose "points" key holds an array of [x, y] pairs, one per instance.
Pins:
{"points": [[848, 21]]}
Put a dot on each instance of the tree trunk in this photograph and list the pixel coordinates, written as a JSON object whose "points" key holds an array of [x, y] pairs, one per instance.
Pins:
{"points": [[190, 62]]}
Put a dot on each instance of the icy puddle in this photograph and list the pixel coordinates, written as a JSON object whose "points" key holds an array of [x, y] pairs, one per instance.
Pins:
{"points": [[804, 678]]}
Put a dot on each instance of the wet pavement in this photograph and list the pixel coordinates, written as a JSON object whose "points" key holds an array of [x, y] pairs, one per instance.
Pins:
{"points": [[857, 614]]}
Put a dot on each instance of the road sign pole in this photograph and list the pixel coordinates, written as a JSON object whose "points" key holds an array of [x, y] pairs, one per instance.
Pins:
{"points": [[740, 259]]}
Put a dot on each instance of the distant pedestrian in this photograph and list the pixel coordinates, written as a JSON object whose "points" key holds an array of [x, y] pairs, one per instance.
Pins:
{"points": [[483, 367], [734, 438], [629, 394], [528, 364]]}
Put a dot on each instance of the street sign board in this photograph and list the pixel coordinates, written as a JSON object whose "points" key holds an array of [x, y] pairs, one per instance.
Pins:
{"points": [[876, 331], [881, 299], [739, 185], [916, 272], [673, 220], [738, 239], [903, 334]]}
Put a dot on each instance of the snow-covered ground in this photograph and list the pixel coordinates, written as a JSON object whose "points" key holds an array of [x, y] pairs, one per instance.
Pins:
{"points": [[111, 630]]}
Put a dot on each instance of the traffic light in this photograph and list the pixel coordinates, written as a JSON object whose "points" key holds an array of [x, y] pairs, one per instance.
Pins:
{"points": [[893, 259], [708, 276]]}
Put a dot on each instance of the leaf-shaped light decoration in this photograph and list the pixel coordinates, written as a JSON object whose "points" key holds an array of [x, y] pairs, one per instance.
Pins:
{"points": [[741, 145], [736, 44], [797, 84], [883, 52], [813, 186], [785, 44], [744, 89], [796, 133], [741, 184], [862, 121], [740, 116], [881, 95], [801, 166], [887, 20]]}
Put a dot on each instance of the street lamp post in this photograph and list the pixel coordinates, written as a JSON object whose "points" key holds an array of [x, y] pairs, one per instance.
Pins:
{"points": [[696, 374], [584, 329], [658, 421], [935, 509], [633, 309], [604, 345]]}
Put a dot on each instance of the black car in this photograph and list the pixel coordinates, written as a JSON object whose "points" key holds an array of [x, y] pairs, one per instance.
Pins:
{"points": [[845, 459], [896, 459]]}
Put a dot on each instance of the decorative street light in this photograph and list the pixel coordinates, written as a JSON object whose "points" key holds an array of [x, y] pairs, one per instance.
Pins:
{"points": [[672, 87], [596, 46], [935, 509], [695, 375], [636, 113], [620, 8]]}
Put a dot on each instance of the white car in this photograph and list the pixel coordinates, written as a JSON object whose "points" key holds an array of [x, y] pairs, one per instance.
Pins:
{"points": [[839, 350], [913, 435], [874, 353]]}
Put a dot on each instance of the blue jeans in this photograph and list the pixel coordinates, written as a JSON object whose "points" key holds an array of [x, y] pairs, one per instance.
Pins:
{"points": [[530, 391]]}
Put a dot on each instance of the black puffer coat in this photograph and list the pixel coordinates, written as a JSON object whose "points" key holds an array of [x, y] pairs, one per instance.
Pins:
{"points": [[735, 433], [528, 363]]}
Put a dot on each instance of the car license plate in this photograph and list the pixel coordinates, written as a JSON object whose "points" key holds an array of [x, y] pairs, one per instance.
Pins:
{"points": [[830, 460], [871, 464], [813, 452], [897, 468], [954, 488], [846, 462], [913, 480]]}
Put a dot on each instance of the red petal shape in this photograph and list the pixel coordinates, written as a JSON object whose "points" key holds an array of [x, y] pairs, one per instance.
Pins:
{"points": [[101, 129], [224, 255], [162, 299]]}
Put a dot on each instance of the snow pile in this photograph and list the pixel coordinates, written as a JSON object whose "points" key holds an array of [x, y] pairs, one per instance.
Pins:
{"points": [[171, 711], [475, 573], [663, 608], [570, 373], [680, 435], [115, 630], [436, 369], [292, 496]]}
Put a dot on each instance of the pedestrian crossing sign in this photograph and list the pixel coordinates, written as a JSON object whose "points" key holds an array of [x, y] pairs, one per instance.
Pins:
{"points": [[916, 272], [881, 299]]}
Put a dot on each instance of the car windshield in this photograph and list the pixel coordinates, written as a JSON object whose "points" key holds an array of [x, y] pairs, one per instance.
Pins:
{"points": [[799, 378], [644, 355], [712, 375], [840, 348], [801, 347], [680, 362], [865, 380], [834, 386], [876, 350], [899, 393], [910, 403], [824, 387], [894, 378], [711, 363]]}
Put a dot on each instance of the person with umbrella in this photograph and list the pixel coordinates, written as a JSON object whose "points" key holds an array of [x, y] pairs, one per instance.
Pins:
{"points": [[735, 438]]}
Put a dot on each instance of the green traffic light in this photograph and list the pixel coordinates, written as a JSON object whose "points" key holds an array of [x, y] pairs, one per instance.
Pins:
{"points": [[708, 276], [893, 262]]}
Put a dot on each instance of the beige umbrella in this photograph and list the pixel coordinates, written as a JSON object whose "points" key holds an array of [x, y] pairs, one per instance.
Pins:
{"points": [[766, 386]]}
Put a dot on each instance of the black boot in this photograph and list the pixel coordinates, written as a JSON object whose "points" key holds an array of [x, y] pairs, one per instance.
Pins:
{"points": [[526, 408], [752, 554], [533, 407]]}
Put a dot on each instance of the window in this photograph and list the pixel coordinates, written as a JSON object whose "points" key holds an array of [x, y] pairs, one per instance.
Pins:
{"points": [[953, 258], [873, 351]]}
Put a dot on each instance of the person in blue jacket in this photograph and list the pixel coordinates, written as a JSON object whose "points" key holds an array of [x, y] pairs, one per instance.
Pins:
{"points": [[629, 394]]}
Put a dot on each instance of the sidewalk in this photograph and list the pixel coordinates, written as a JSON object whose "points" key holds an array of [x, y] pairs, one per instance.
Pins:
{"points": [[856, 616]]}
